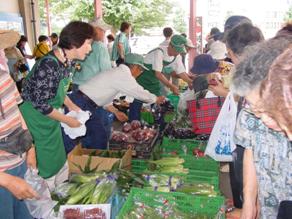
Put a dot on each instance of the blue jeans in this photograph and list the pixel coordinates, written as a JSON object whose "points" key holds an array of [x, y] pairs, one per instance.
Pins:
{"points": [[135, 113], [98, 127], [10, 206], [135, 110]]}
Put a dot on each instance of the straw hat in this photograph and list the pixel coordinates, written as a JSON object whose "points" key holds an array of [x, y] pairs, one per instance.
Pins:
{"points": [[8, 38]]}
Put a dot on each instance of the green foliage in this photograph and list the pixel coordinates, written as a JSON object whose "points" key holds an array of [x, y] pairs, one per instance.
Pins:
{"points": [[288, 16], [142, 14], [179, 22]]}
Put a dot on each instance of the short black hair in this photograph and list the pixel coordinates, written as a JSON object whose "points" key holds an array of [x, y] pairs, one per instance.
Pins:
{"points": [[75, 33], [214, 31], [184, 35], [43, 38], [241, 36], [124, 26], [110, 37], [23, 38], [54, 35], [167, 32]]}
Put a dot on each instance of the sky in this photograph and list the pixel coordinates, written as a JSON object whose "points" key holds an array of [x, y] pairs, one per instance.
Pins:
{"points": [[259, 11]]}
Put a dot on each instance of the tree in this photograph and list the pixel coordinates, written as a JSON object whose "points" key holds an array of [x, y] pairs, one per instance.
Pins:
{"points": [[288, 16], [142, 14], [179, 22]]}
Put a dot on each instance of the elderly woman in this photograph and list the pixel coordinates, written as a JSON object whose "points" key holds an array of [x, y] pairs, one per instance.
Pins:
{"points": [[238, 39], [268, 152], [45, 93]]}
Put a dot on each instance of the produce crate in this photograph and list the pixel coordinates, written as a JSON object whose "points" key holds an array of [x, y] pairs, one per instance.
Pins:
{"points": [[186, 203], [194, 176], [80, 156], [175, 145], [142, 150], [173, 99]]}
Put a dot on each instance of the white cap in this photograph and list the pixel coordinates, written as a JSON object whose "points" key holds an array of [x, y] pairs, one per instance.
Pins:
{"points": [[98, 22], [218, 50], [190, 44]]}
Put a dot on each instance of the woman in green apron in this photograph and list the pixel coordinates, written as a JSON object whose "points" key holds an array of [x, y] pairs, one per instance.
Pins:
{"points": [[150, 79], [45, 93]]}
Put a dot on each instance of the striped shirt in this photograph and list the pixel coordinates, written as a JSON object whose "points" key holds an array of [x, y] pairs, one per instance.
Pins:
{"points": [[10, 118]]}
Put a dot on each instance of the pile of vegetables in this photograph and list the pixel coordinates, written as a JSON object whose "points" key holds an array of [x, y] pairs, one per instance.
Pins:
{"points": [[160, 208], [174, 131], [93, 187], [86, 189], [133, 132], [168, 165]]}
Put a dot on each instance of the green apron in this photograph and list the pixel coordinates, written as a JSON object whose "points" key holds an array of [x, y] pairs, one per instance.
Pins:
{"points": [[46, 132], [148, 79]]}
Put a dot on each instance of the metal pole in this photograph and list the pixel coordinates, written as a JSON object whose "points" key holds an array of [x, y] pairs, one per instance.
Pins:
{"points": [[192, 31], [48, 17], [33, 21]]}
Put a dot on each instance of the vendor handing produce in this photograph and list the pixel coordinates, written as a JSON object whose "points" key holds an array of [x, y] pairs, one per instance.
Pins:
{"points": [[104, 87], [151, 77]]}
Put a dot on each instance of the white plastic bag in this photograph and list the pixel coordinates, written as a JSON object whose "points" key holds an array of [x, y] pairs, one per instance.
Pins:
{"points": [[42, 207], [183, 98], [221, 144]]}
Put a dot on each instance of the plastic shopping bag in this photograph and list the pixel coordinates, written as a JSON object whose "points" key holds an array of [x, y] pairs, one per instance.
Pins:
{"points": [[221, 144], [42, 207]]}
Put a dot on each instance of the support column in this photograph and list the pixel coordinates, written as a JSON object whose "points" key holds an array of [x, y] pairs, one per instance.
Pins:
{"points": [[29, 10], [192, 31], [97, 8], [48, 17]]}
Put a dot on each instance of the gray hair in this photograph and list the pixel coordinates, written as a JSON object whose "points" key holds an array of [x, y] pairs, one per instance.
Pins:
{"points": [[255, 64]]}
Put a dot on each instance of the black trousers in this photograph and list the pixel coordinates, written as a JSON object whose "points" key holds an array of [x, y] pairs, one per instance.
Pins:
{"points": [[285, 210], [236, 176]]}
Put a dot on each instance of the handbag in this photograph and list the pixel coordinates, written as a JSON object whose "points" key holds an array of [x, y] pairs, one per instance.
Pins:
{"points": [[203, 113], [18, 142], [221, 144]]}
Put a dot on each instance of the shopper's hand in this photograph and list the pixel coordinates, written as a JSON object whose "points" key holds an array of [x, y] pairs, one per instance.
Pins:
{"points": [[174, 90], [160, 99], [31, 158], [72, 122], [19, 188], [249, 211], [122, 117], [219, 89], [190, 85]]}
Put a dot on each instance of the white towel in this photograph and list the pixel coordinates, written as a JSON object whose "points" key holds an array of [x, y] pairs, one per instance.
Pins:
{"points": [[82, 117]]}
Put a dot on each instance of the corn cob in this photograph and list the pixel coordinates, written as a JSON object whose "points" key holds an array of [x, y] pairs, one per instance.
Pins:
{"points": [[84, 190], [168, 161]]}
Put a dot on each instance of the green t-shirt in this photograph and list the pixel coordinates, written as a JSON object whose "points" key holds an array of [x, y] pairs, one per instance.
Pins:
{"points": [[97, 61], [123, 39]]}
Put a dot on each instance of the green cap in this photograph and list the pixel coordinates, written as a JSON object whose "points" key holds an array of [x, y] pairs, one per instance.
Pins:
{"points": [[135, 59], [179, 42]]}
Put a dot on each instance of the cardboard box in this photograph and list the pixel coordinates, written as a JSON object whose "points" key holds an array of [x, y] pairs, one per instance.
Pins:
{"points": [[80, 156]]}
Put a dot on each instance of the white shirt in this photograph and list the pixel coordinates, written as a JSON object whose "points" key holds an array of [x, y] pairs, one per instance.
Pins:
{"points": [[157, 57], [104, 87]]}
